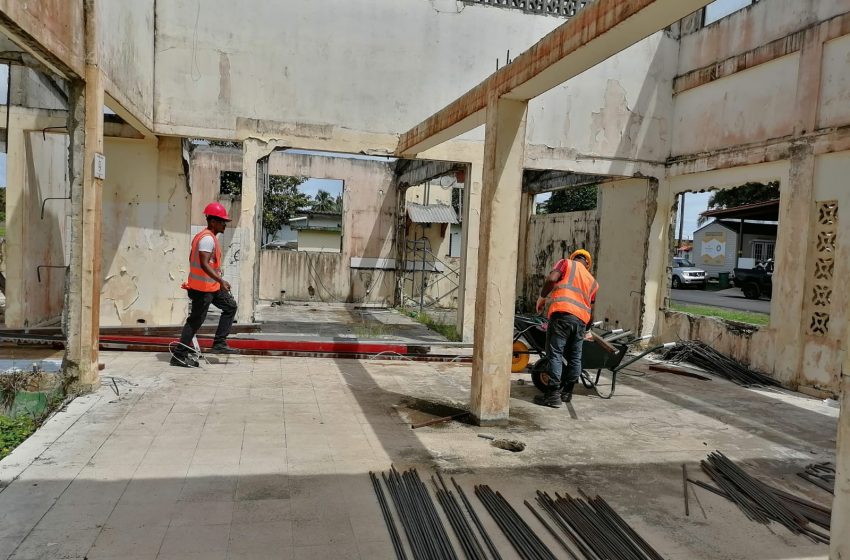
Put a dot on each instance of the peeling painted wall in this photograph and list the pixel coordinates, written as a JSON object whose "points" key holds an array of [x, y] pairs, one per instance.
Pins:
{"points": [[753, 27], [621, 108], [552, 237], [369, 220], [145, 233]]}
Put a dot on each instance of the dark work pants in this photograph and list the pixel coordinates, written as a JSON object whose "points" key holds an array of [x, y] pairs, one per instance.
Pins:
{"points": [[564, 339], [198, 313]]}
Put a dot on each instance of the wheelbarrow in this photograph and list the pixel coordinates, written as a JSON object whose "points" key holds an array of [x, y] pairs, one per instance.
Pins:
{"points": [[606, 351]]}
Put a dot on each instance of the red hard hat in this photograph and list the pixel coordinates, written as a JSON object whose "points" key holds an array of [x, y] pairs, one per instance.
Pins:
{"points": [[216, 210]]}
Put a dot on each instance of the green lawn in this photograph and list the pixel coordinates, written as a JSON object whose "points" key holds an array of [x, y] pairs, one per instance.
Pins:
{"points": [[759, 319]]}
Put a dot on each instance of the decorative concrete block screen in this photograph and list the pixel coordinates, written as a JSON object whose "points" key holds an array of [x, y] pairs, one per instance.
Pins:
{"points": [[561, 8], [827, 231]]}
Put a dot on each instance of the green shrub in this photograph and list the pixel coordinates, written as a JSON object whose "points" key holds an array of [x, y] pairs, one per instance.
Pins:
{"points": [[13, 431]]}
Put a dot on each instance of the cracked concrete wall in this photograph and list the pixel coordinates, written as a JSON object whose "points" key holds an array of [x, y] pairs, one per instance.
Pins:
{"points": [[369, 214], [552, 237], [766, 89], [146, 239], [620, 110]]}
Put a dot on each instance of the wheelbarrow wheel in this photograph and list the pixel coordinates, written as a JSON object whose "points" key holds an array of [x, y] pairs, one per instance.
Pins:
{"points": [[540, 374], [520, 359]]}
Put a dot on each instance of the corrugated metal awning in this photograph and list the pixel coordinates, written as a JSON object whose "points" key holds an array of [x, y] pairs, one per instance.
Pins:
{"points": [[431, 214]]}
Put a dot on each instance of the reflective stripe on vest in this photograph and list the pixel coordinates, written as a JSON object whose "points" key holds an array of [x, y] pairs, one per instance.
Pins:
{"points": [[575, 295], [198, 279]]}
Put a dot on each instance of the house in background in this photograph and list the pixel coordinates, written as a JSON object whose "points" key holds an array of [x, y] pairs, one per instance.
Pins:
{"points": [[738, 237], [318, 232]]}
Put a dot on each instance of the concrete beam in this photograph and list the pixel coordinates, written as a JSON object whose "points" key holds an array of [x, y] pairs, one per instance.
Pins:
{"points": [[536, 182], [599, 31], [415, 172], [504, 147]]}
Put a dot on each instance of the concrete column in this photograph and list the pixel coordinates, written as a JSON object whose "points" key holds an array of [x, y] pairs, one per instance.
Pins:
{"points": [[793, 239], [82, 309], [839, 535], [469, 251], [504, 148], [657, 258], [247, 222], [526, 210]]}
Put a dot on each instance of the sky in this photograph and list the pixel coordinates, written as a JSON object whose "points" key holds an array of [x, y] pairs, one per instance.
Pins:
{"points": [[312, 186], [722, 8]]}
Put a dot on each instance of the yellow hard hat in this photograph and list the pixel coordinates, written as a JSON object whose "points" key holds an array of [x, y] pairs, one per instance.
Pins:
{"points": [[585, 254]]}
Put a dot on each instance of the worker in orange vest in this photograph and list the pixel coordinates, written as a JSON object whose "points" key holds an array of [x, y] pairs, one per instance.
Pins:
{"points": [[567, 297], [206, 286]]}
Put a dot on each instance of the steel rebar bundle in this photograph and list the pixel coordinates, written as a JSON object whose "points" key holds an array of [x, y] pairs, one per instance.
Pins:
{"points": [[596, 530], [709, 359], [524, 540], [821, 475], [763, 503], [463, 530], [420, 521]]}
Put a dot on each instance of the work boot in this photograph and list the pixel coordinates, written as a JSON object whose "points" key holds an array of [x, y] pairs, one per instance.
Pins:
{"points": [[184, 361], [567, 392], [552, 399], [222, 348]]}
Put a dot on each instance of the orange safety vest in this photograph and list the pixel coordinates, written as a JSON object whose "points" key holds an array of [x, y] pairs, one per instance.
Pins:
{"points": [[198, 279], [574, 294]]}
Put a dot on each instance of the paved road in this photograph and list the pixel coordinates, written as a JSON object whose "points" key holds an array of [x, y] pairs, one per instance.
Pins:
{"points": [[730, 299]]}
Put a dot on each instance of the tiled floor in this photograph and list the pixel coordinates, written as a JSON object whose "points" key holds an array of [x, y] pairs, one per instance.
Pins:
{"points": [[268, 458]]}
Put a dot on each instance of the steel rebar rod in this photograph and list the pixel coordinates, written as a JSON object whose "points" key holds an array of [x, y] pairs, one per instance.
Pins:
{"points": [[398, 547], [546, 503], [552, 531], [494, 552]]}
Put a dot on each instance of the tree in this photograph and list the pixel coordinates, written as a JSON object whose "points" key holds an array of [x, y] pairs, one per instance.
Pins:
{"points": [[323, 202], [281, 201], [576, 199], [748, 193], [3, 204]]}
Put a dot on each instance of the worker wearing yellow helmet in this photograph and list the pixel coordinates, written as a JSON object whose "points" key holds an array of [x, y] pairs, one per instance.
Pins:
{"points": [[567, 299]]}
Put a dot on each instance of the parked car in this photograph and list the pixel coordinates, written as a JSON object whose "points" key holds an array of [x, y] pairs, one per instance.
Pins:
{"points": [[755, 282], [686, 274]]}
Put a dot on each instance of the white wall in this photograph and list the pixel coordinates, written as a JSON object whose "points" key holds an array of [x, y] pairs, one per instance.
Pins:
{"points": [[362, 65], [703, 261], [126, 41]]}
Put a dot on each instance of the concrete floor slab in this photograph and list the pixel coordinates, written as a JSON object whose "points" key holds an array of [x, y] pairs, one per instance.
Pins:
{"points": [[268, 458]]}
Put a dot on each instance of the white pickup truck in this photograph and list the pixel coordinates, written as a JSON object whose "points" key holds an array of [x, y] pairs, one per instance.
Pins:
{"points": [[686, 274]]}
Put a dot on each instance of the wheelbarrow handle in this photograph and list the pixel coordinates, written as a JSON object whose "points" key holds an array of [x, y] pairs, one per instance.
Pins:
{"points": [[627, 363]]}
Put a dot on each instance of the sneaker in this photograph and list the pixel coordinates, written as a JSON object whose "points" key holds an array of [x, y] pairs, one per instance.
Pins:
{"points": [[184, 361], [222, 348], [552, 399]]}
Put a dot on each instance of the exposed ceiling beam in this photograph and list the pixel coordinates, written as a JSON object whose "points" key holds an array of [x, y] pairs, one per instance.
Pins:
{"points": [[599, 31], [537, 182]]}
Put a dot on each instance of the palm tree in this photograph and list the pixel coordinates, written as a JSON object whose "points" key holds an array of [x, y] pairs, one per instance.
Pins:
{"points": [[323, 202]]}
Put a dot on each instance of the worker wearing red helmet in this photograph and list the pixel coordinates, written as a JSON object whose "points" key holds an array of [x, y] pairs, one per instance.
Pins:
{"points": [[567, 296], [206, 287]]}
